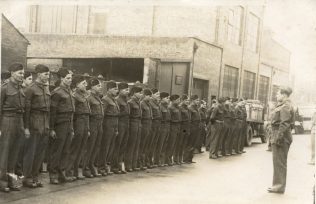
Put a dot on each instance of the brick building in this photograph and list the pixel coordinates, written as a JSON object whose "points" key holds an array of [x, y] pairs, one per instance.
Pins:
{"points": [[13, 45], [210, 51]]}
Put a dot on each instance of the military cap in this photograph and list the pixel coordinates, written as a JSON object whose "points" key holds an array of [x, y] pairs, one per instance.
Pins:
{"points": [[93, 82], [174, 97], [154, 90], [27, 74], [122, 85], [194, 97], [15, 67], [147, 92], [164, 94], [286, 90], [184, 97], [136, 89], [77, 79], [62, 72], [110, 85], [41, 68]]}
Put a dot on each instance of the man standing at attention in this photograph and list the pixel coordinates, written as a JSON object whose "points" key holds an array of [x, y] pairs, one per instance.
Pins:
{"points": [[281, 139]]}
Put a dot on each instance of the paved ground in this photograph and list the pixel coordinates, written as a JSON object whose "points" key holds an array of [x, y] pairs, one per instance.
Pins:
{"points": [[237, 179]]}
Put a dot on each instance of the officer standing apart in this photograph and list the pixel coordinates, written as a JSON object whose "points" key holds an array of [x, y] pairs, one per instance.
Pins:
{"points": [[12, 131], [281, 139], [37, 107]]}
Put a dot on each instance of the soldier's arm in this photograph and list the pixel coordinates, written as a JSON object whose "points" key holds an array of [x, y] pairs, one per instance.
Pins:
{"points": [[2, 99], [53, 109], [28, 102], [213, 115], [285, 120], [105, 104]]}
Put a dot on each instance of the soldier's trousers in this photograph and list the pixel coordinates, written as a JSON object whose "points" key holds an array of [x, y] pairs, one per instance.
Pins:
{"points": [[279, 154], [121, 142], [35, 146], [171, 142], [60, 148], [160, 155], [200, 140], [93, 143], [110, 131], [151, 149], [208, 139], [133, 143], [243, 135], [229, 135], [181, 142], [12, 134], [144, 142], [188, 150], [237, 145], [216, 137]]}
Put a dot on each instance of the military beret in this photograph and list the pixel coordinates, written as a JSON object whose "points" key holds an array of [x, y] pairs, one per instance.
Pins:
{"points": [[164, 94], [184, 97], [154, 90], [110, 85], [221, 100], [194, 97], [41, 68], [15, 67], [136, 89], [27, 74], [5, 75], [93, 82], [285, 90], [62, 72], [122, 85], [174, 97], [77, 79], [147, 92]]}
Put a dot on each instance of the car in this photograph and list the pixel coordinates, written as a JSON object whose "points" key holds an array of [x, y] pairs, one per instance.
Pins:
{"points": [[307, 112]]}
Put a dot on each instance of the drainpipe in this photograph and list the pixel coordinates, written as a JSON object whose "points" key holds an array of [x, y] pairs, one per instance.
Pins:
{"points": [[195, 47]]}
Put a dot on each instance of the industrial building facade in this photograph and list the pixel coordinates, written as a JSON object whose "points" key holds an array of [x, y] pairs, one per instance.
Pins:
{"points": [[209, 51]]}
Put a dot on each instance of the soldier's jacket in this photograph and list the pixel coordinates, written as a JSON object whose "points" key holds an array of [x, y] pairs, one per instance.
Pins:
{"points": [[96, 105], [165, 113], [194, 113], [134, 107], [156, 112], [175, 114], [185, 114], [227, 111], [232, 110], [37, 98], [217, 113], [202, 112], [281, 122], [110, 106], [124, 107], [81, 103], [62, 105], [238, 112], [146, 110], [12, 99]]}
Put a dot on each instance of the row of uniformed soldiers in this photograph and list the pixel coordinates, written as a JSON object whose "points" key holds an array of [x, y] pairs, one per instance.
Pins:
{"points": [[85, 134], [227, 128]]}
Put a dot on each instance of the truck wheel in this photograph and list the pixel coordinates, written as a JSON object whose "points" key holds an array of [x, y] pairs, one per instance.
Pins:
{"points": [[249, 136], [263, 138]]}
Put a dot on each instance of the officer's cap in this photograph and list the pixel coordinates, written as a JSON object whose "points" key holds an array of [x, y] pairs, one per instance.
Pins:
{"points": [[15, 67], [41, 68]]}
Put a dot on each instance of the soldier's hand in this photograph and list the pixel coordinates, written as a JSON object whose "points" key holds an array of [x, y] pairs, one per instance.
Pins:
{"points": [[89, 134], [52, 134], [27, 133], [72, 135]]}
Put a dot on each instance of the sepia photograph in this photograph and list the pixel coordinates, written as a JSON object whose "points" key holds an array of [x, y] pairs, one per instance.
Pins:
{"points": [[157, 101]]}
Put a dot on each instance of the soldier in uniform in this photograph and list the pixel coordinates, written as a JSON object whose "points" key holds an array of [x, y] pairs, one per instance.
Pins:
{"points": [[239, 128], [61, 128], [185, 128], [217, 121], [96, 130], [202, 111], [156, 112], [195, 125], [37, 108], [146, 129], [135, 129], [174, 127], [81, 127], [123, 128], [243, 133], [12, 104], [281, 139], [160, 155], [229, 134], [110, 128], [209, 125]]}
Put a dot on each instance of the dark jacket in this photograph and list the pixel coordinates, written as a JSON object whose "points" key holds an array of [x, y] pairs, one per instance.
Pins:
{"points": [[96, 105], [175, 114], [134, 107], [110, 106]]}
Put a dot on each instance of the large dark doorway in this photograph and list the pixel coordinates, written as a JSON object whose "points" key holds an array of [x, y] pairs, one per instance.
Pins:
{"points": [[118, 69], [200, 88]]}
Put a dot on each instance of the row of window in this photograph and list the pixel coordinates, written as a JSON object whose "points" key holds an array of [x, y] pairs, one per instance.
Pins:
{"points": [[230, 84]]}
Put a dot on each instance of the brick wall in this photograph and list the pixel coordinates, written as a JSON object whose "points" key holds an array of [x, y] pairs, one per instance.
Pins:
{"points": [[13, 45]]}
